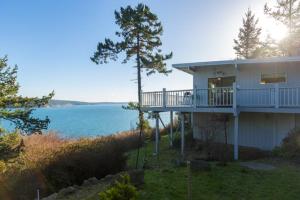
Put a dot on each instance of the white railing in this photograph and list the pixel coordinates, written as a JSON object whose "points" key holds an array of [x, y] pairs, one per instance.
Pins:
{"points": [[225, 97], [215, 97], [152, 99], [259, 97], [179, 98], [289, 97]]}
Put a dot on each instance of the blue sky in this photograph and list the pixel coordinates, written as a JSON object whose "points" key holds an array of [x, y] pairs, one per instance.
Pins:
{"points": [[52, 40]]}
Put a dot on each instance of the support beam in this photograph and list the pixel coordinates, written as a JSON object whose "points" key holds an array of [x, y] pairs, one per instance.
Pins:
{"points": [[171, 129], [182, 134], [236, 137], [157, 134]]}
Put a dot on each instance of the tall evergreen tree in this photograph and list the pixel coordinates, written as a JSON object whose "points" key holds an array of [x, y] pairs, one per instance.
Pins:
{"points": [[248, 37], [139, 38], [267, 48], [288, 13], [18, 109]]}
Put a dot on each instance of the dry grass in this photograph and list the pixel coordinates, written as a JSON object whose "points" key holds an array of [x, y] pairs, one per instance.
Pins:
{"points": [[49, 163], [39, 149]]}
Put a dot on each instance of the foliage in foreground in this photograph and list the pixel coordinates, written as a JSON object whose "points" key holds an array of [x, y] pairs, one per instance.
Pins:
{"points": [[18, 109], [49, 163], [10, 143], [122, 190]]}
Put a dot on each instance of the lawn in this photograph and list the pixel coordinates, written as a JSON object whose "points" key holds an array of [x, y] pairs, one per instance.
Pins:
{"points": [[164, 179]]}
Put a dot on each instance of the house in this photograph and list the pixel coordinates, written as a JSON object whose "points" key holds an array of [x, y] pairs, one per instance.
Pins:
{"points": [[260, 96]]}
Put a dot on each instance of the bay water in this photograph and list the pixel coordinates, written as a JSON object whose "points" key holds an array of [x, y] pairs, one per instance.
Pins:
{"points": [[90, 120]]}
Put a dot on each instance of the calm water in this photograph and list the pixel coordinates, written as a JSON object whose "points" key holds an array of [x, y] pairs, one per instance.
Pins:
{"points": [[91, 120]]}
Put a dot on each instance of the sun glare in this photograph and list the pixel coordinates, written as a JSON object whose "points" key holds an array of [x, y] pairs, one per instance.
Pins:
{"points": [[276, 30]]}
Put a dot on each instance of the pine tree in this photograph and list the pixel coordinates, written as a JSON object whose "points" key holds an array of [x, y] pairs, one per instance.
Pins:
{"points": [[248, 37], [267, 48], [139, 35], [288, 13], [18, 109]]}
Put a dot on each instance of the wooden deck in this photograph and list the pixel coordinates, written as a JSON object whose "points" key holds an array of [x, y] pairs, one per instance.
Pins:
{"points": [[225, 100]]}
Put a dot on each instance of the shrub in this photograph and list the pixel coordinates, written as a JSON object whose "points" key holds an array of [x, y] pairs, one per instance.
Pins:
{"points": [[49, 163], [290, 146], [84, 159], [122, 190], [9, 143]]}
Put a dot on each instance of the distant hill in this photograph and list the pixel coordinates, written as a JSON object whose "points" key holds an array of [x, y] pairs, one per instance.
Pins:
{"points": [[54, 103]]}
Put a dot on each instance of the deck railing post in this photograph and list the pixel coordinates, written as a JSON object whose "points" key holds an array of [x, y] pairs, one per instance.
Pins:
{"points": [[276, 96], [164, 97], [234, 100], [195, 97]]}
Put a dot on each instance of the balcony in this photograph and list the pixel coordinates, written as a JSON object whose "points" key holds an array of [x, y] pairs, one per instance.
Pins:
{"points": [[226, 98]]}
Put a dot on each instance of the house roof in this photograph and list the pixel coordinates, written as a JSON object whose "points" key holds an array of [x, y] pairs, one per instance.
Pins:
{"points": [[190, 67]]}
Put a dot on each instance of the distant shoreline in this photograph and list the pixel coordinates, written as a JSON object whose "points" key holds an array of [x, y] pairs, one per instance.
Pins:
{"points": [[55, 103]]}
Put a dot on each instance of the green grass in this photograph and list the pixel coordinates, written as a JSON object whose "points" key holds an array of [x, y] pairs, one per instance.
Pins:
{"points": [[165, 180]]}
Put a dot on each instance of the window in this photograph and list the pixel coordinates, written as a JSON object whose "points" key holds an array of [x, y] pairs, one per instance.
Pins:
{"points": [[273, 78]]}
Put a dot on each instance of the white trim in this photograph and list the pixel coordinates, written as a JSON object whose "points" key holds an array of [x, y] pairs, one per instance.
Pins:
{"points": [[234, 63]]}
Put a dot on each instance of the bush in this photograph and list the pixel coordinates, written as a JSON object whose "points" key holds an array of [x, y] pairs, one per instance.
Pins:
{"points": [[84, 159], [9, 143], [290, 147], [49, 163], [122, 190]]}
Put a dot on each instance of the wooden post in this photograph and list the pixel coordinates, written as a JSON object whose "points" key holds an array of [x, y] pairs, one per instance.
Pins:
{"points": [[236, 137], [182, 134], [171, 128], [157, 135], [276, 96], [164, 97]]}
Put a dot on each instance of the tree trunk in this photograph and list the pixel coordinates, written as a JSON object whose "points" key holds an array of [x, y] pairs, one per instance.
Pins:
{"points": [[141, 117]]}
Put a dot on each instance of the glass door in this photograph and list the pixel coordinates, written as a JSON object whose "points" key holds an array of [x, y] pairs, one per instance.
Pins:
{"points": [[220, 92]]}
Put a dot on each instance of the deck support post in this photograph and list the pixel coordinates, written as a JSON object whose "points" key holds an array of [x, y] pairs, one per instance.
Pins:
{"points": [[236, 137], [157, 134], [171, 129], [182, 134]]}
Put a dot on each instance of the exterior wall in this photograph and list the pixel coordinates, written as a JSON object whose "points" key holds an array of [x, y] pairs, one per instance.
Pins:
{"points": [[201, 77], [261, 130], [249, 76]]}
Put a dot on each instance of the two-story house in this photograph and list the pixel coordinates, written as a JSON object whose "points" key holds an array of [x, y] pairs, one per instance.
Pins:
{"points": [[261, 96]]}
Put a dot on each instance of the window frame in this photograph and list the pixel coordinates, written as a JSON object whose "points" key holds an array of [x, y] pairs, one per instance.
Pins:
{"points": [[284, 73]]}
